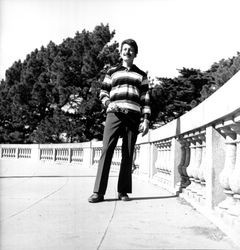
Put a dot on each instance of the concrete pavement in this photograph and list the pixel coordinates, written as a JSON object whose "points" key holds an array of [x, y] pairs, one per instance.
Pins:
{"points": [[46, 207]]}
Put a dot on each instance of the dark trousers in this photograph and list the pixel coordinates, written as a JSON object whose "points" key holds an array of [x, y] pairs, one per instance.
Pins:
{"points": [[118, 124]]}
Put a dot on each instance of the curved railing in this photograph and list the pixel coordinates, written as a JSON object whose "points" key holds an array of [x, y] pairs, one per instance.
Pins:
{"points": [[196, 155]]}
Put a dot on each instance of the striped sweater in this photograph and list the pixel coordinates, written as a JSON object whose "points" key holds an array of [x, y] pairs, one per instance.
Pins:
{"points": [[126, 89]]}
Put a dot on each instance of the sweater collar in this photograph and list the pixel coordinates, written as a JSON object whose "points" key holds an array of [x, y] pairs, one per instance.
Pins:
{"points": [[127, 69]]}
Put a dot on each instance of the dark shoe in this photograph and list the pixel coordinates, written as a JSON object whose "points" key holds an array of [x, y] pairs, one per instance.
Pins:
{"points": [[123, 197], [94, 198]]}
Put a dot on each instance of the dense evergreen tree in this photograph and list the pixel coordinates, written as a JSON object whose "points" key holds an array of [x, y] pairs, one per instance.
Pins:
{"points": [[220, 73], [53, 94], [173, 97]]}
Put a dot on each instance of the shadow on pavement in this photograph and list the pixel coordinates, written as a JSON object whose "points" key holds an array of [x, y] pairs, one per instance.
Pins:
{"points": [[145, 198]]}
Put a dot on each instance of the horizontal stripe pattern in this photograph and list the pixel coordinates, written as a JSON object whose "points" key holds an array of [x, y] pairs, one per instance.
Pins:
{"points": [[126, 89], [124, 77]]}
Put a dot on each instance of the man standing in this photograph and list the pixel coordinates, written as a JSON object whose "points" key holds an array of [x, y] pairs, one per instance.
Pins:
{"points": [[124, 93]]}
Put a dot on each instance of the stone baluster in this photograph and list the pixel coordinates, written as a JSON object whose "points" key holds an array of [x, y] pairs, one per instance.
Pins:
{"points": [[202, 169], [114, 158], [69, 155], [186, 164], [99, 151], [198, 161], [4, 152], [66, 154], [117, 154], [136, 158], [230, 160], [190, 168], [162, 157], [160, 163], [96, 156], [53, 153], [168, 160], [165, 164], [22, 153], [16, 155], [75, 154], [159, 159], [40, 154], [43, 154], [78, 154], [234, 179], [194, 165], [61, 154], [82, 154], [46, 154], [181, 164], [58, 154], [164, 161]]}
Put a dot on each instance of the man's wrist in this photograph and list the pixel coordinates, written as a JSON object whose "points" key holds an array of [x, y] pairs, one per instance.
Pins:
{"points": [[107, 103], [146, 120]]}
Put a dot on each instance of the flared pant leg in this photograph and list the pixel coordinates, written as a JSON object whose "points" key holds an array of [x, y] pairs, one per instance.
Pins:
{"points": [[125, 174], [110, 137]]}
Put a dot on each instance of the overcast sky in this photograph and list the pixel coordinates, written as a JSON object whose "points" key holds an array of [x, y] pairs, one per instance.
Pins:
{"points": [[171, 34]]}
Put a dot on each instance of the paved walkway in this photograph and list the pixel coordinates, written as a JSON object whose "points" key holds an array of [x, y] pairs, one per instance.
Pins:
{"points": [[45, 207]]}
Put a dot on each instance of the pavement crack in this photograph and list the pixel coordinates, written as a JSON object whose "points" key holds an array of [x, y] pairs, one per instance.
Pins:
{"points": [[35, 203], [109, 222]]}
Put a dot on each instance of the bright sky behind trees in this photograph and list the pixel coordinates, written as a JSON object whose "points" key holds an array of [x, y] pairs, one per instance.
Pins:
{"points": [[171, 34]]}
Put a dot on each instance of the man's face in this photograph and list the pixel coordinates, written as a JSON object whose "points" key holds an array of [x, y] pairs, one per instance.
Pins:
{"points": [[128, 53]]}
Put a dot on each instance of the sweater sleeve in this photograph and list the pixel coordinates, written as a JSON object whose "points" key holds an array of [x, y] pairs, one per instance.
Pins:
{"points": [[105, 90], [145, 98]]}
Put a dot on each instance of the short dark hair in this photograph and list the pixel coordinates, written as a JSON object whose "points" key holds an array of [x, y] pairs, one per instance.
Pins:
{"points": [[132, 43]]}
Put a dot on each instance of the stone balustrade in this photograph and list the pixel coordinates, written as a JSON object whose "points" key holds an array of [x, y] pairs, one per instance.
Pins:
{"points": [[229, 177], [193, 173], [66, 153], [196, 156], [163, 166], [21, 151]]}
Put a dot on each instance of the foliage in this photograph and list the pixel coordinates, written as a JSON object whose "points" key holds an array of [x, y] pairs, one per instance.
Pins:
{"points": [[176, 96], [220, 73], [52, 96], [173, 97]]}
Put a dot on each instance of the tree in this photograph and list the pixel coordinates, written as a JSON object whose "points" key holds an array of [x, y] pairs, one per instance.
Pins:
{"points": [[176, 96], [54, 91], [219, 73]]}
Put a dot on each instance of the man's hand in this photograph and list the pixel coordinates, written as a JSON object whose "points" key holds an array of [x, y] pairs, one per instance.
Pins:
{"points": [[144, 127]]}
